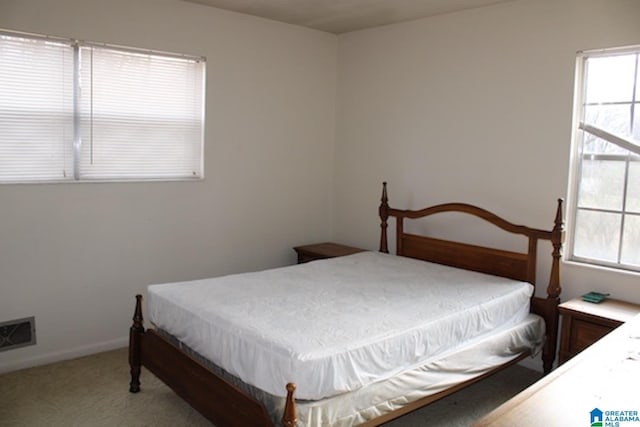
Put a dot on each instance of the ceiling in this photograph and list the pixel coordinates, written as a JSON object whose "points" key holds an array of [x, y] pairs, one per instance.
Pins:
{"points": [[340, 16]]}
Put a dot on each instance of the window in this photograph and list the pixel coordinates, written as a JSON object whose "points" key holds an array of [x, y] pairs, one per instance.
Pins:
{"points": [[78, 111], [605, 198]]}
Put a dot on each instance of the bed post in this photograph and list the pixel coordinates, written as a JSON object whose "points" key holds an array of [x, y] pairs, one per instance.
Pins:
{"points": [[553, 292], [384, 215], [289, 416], [557, 239], [135, 341]]}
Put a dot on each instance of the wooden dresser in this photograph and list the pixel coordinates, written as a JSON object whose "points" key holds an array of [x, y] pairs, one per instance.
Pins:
{"points": [[323, 251], [584, 323]]}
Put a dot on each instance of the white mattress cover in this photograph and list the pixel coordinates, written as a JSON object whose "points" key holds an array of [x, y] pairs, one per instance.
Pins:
{"points": [[466, 362], [335, 325]]}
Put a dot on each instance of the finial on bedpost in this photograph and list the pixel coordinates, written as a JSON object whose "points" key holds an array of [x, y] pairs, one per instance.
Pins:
{"points": [[137, 315], [289, 417], [135, 336], [557, 240], [384, 215]]}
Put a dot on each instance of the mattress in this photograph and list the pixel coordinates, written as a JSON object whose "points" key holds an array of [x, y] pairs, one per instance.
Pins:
{"points": [[334, 326]]}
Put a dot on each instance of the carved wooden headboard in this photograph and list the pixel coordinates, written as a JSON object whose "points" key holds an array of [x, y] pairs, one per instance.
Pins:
{"points": [[515, 265]]}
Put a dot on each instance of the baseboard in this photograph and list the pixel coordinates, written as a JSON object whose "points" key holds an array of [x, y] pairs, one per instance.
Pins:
{"points": [[59, 356]]}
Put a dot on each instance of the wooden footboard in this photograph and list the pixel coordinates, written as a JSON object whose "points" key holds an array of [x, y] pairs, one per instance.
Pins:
{"points": [[216, 399]]}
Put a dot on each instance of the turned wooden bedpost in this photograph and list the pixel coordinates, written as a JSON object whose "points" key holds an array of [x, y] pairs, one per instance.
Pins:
{"points": [[553, 291], [289, 417], [384, 216], [557, 239], [135, 337]]}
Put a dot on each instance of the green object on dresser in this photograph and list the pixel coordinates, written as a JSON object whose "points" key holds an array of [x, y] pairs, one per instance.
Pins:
{"points": [[594, 297]]}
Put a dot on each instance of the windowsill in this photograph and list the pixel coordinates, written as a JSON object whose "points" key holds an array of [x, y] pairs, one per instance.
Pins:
{"points": [[104, 181], [603, 268]]}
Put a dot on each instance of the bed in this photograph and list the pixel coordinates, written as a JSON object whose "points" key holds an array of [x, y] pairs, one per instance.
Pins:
{"points": [[355, 340]]}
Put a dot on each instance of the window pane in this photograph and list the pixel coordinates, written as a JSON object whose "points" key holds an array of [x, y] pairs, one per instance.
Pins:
{"points": [[636, 120], [631, 241], [615, 119], [601, 184], [638, 78], [610, 79], [633, 188], [597, 235], [594, 145]]}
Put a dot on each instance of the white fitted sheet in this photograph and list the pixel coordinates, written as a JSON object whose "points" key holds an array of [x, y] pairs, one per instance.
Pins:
{"points": [[335, 325], [465, 363]]}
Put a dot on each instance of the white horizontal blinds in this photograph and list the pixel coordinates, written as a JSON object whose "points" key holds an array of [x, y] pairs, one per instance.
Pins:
{"points": [[141, 115], [36, 109], [72, 110]]}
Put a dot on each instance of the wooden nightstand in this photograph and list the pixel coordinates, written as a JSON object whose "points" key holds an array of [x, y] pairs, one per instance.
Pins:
{"points": [[584, 323], [323, 251]]}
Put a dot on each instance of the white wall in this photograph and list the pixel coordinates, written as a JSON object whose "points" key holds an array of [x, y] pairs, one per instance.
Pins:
{"points": [[473, 106], [74, 255]]}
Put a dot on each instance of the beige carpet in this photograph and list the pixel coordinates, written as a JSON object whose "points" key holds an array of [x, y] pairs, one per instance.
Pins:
{"points": [[93, 391]]}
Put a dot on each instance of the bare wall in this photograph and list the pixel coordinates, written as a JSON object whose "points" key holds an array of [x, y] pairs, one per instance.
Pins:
{"points": [[474, 106], [74, 255]]}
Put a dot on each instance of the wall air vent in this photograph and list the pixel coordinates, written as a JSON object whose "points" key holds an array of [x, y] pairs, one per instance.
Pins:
{"points": [[17, 333]]}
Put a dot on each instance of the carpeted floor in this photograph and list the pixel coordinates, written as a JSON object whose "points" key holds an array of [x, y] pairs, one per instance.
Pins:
{"points": [[93, 391]]}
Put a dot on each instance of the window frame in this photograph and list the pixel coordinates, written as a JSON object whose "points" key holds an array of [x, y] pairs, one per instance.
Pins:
{"points": [[74, 175], [579, 129]]}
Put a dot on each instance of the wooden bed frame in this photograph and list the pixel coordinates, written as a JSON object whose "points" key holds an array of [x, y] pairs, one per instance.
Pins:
{"points": [[226, 405]]}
